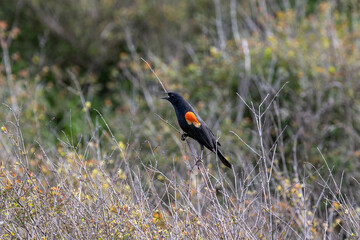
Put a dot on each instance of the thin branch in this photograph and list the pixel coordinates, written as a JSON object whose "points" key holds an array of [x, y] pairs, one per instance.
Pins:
{"points": [[246, 104], [246, 144], [273, 99], [155, 74], [167, 122]]}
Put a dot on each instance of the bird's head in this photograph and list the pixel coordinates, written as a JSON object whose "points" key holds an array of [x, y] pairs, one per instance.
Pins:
{"points": [[173, 97]]}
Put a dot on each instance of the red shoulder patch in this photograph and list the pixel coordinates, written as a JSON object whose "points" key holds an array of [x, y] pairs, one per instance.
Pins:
{"points": [[191, 119]]}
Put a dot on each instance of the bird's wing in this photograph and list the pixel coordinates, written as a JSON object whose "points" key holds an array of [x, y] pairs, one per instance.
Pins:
{"points": [[218, 143], [202, 133], [207, 136]]}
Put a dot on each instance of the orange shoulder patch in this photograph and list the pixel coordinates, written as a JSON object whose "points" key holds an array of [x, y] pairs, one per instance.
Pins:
{"points": [[191, 119]]}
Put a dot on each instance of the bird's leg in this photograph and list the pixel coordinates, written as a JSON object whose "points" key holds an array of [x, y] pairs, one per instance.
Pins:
{"points": [[201, 155], [183, 136]]}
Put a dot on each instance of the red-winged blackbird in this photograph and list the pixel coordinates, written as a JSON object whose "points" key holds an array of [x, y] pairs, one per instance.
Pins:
{"points": [[194, 127]]}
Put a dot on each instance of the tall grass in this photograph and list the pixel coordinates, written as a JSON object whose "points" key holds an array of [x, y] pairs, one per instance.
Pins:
{"points": [[86, 192]]}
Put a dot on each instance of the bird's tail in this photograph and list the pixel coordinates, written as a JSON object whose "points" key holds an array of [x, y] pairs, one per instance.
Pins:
{"points": [[223, 159]]}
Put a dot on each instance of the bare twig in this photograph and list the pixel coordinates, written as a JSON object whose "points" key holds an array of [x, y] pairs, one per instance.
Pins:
{"points": [[253, 150], [155, 74], [167, 122], [275, 96]]}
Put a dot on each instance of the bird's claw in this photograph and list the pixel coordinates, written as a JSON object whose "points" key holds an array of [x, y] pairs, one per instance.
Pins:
{"points": [[183, 136], [198, 162]]}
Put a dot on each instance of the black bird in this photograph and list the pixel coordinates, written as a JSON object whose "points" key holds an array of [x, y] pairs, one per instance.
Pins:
{"points": [[194, 127]]}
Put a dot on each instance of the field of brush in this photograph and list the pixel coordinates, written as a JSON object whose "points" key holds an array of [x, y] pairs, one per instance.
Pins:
{"points": [[89, 150]]}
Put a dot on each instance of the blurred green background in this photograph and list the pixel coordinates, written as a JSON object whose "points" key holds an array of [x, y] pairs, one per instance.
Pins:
{"points": [[63, 59]]}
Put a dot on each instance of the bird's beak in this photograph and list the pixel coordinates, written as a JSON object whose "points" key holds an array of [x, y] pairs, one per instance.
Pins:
{"points": [[167, 97]]}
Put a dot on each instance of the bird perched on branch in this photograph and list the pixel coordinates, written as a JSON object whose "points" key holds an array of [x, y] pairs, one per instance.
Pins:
{"points": [[194, 127]]}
